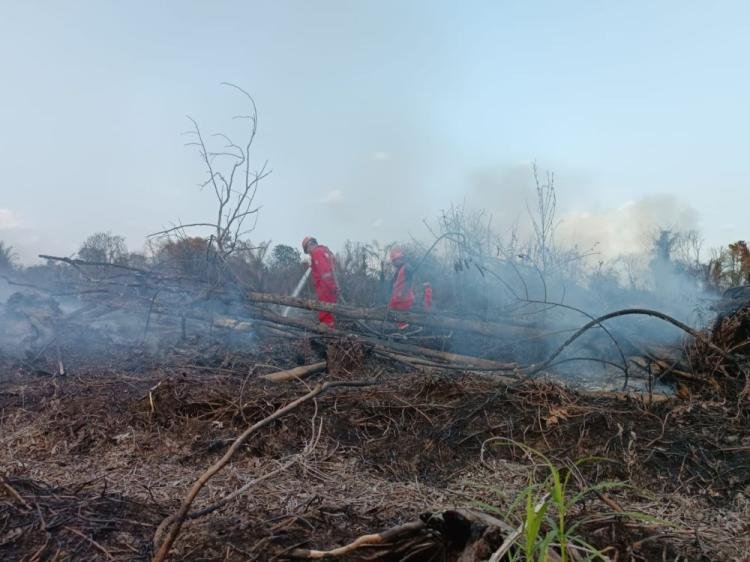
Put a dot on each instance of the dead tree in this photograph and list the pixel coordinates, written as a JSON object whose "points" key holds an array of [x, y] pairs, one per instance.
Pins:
{"points": [[544, 220], [234, 181]]}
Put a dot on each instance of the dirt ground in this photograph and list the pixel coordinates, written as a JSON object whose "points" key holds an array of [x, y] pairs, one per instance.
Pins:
{"points": [[94, 460]]}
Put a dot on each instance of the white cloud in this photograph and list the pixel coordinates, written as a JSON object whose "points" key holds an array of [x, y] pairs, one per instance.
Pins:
{"points": [[377, 223], [8, 220], [333, 197], [380, 156]]}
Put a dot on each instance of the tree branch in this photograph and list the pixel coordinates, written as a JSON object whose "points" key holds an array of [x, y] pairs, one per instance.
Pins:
{"points": [[175, 522]]}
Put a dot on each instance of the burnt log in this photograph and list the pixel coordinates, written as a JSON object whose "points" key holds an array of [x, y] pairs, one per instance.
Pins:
{"points": [[454, 358], [433, 319]]}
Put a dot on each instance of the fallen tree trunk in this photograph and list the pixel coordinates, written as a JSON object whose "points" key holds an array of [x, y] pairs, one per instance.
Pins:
{"points": [[440, 320], [451, 360], [418, 362], [454, 358], [446, 356], [489, 329], [296, 373]]}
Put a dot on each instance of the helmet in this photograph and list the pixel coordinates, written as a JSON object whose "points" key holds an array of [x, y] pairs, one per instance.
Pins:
{"points": [[396, 253], [306, 240]]}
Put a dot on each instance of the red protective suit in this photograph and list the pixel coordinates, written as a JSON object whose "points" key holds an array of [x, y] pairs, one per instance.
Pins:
{"points": [[427, 303], [322, 266], [402, 295]]}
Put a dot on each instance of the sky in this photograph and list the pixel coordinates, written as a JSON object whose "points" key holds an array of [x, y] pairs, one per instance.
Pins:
{"points": [[374, 116]]}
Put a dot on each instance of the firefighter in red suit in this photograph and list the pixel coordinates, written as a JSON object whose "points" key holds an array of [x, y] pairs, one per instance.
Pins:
{"points": [[323, 270], [402, 292]]}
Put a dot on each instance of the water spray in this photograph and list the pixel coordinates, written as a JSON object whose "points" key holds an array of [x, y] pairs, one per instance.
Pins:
{"points": [[297, 290]]}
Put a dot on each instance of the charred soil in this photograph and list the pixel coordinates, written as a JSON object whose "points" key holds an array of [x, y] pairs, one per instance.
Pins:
{"points": [[94, 460]]}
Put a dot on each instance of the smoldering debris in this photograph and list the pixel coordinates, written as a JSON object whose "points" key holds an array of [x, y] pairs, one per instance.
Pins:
{"points": [[514, 334], [107, 455], [173, 381]]}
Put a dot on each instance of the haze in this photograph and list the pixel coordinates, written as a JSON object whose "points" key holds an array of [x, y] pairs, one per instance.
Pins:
{"points": [[376, 115]]}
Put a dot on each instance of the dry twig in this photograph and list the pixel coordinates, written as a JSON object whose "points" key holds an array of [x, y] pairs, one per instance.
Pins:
{"points": [[174, 522]]}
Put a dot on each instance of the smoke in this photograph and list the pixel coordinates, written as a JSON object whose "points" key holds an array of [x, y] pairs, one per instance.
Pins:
{"points": [[28, 240], [505, 193], [383, 206], [627, 229], [508, 195], [602, 259]]}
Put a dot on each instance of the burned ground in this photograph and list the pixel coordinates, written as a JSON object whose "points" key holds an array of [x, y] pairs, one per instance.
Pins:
{"points": [[95, 459]]}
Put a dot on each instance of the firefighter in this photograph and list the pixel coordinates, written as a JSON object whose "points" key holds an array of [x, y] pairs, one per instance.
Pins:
{"points": [[323, 269], [402, 292]]}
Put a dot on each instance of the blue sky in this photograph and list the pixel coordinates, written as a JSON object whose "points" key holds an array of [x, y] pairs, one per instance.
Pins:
{"points": [[374, 115]]}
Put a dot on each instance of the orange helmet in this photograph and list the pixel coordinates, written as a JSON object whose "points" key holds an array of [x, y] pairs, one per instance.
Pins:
{"points": [[306, 240], [396, 253]]}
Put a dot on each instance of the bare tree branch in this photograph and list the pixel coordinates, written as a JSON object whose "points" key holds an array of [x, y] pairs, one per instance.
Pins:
{"points": [[174, 523], [235, 183]]}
